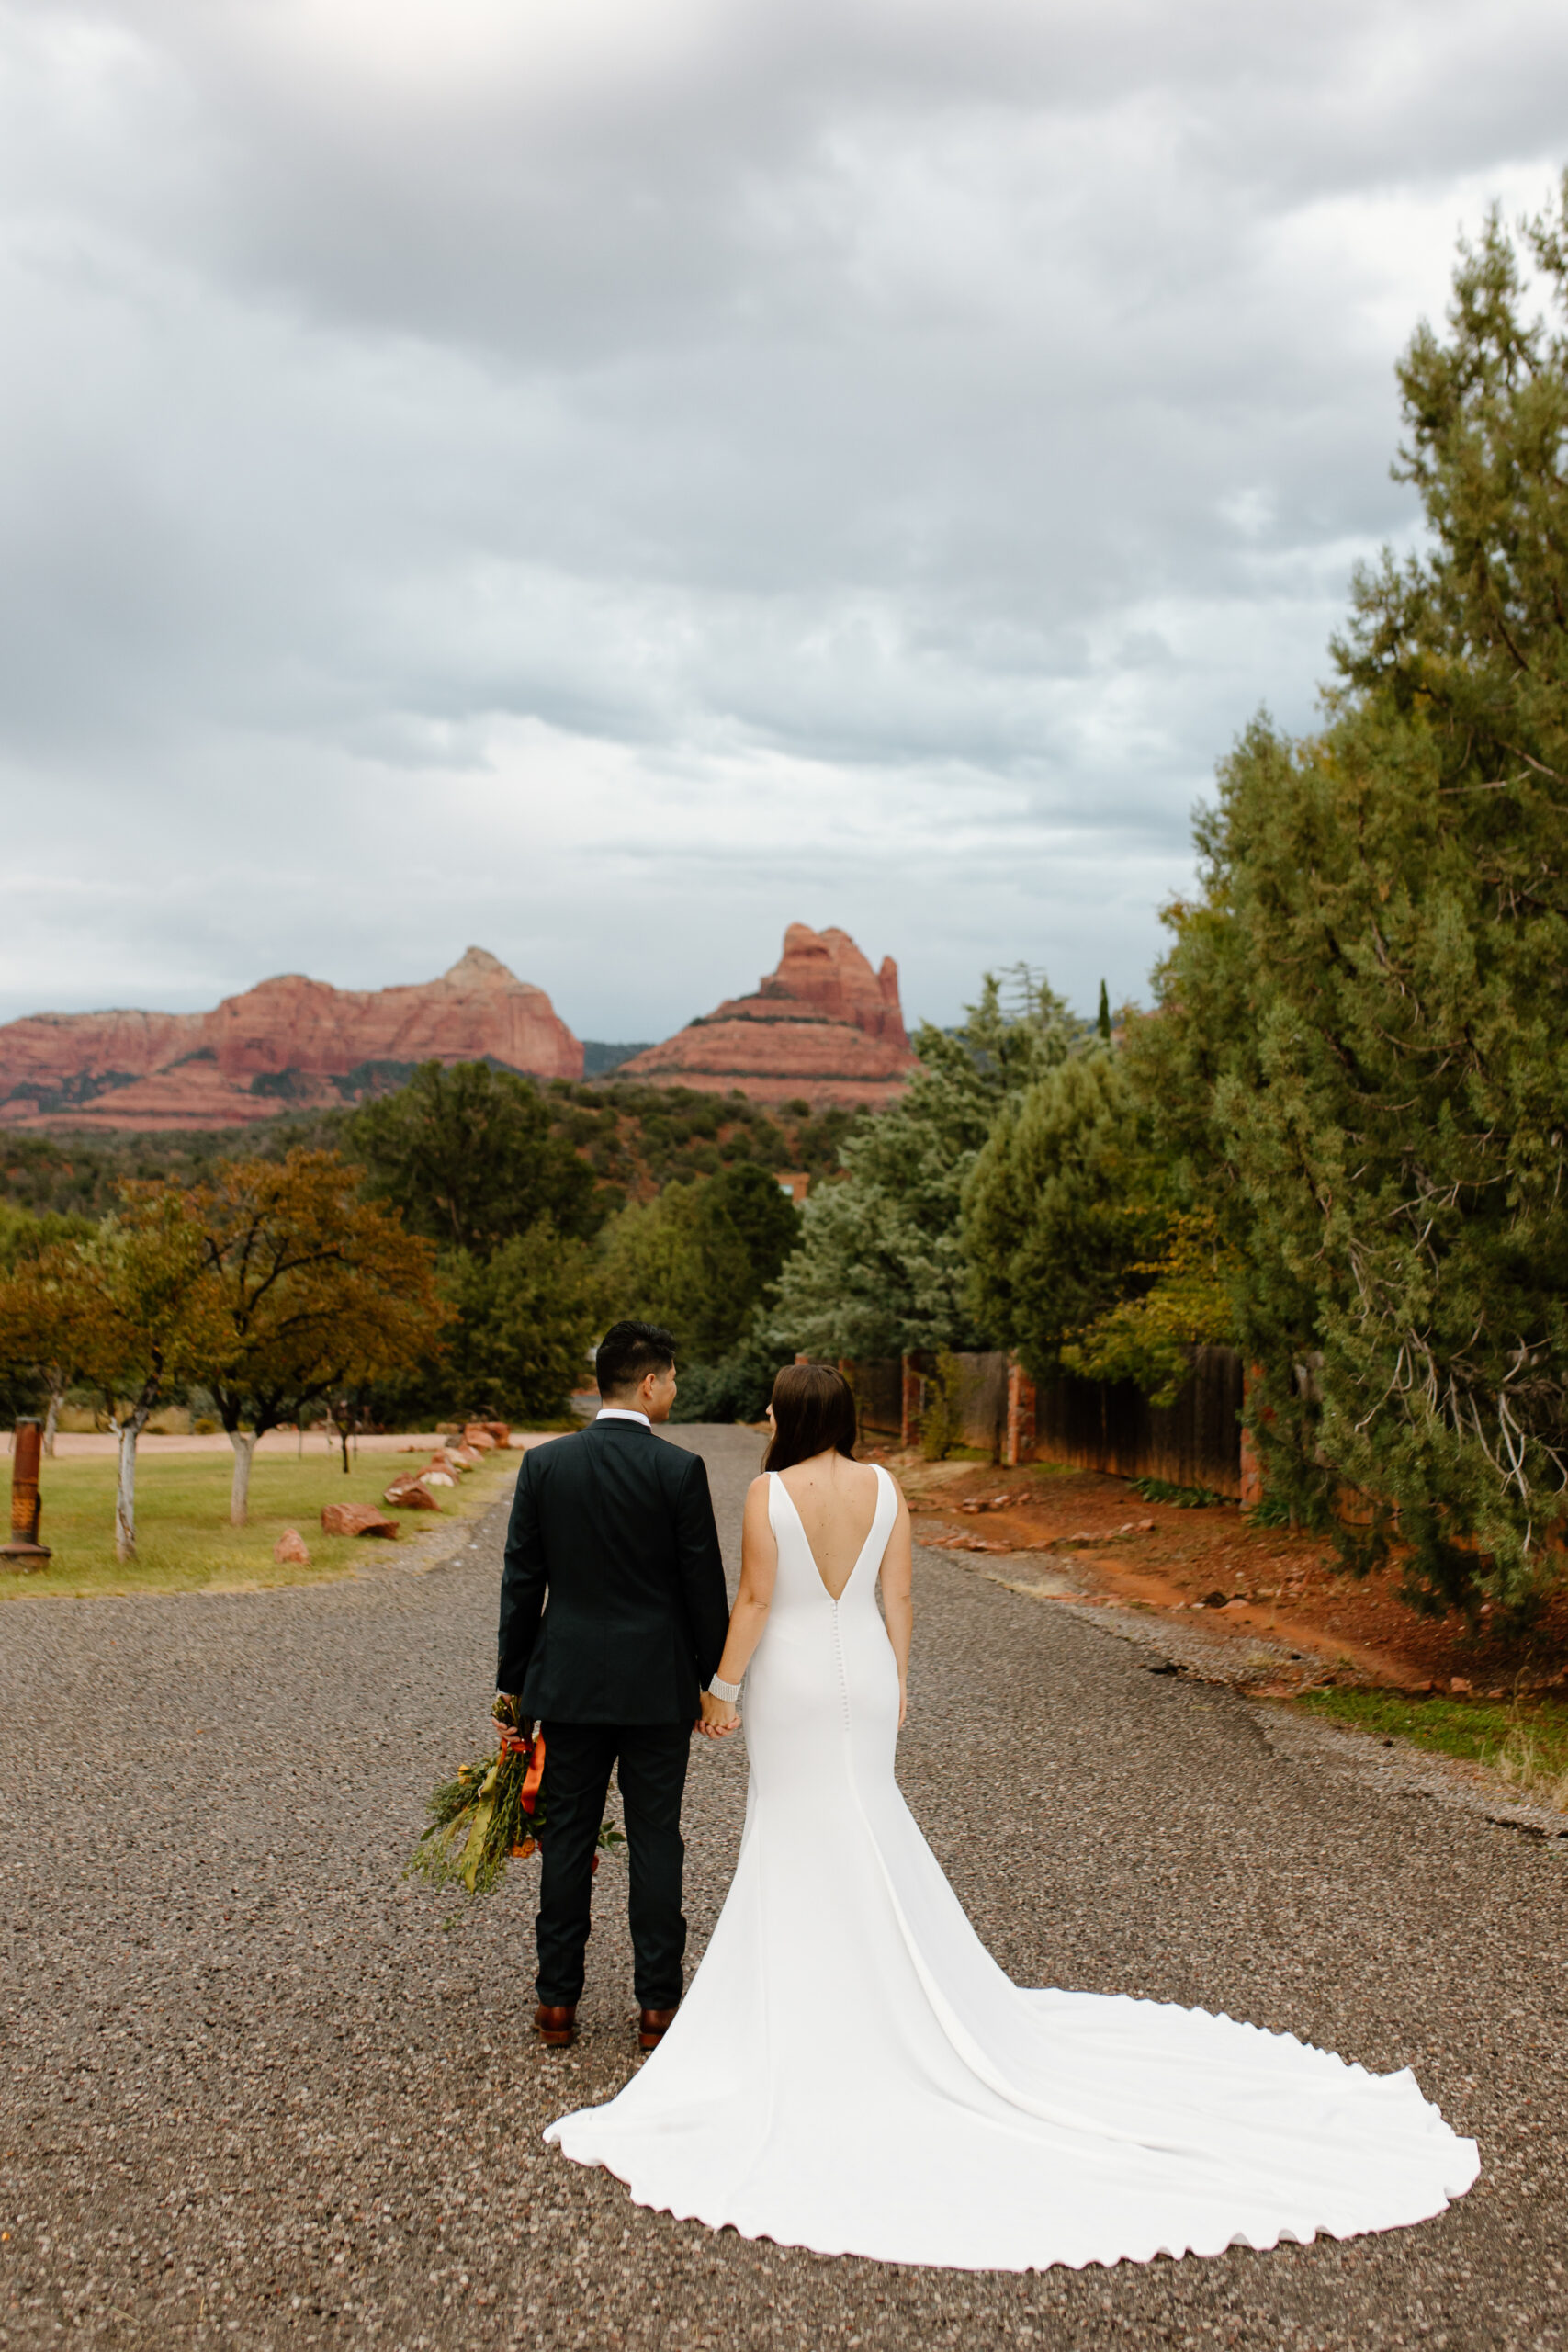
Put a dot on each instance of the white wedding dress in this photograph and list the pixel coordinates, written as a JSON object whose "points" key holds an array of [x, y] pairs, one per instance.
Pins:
{"points": [[850, 2070]]}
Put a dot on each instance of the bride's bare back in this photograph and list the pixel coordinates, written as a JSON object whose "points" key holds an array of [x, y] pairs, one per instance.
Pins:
{"points": [[837, 1501]]}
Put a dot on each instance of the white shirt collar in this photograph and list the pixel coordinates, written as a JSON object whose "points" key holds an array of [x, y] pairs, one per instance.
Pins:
{"points": [[622, 1413]]}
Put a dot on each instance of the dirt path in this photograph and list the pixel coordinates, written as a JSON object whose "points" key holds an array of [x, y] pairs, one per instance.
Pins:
{"points": [[1280, 1597], [260, 2090]]}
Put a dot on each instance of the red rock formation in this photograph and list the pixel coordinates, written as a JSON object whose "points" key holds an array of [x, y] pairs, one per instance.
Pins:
{"points": [[285, 1043], [356, 1519], [410, 1494], [823, 1025]]}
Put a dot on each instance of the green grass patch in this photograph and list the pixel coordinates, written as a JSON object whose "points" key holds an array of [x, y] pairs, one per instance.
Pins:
{"points": [[1161, 1490], [1527, 1741], [184, 1541]]}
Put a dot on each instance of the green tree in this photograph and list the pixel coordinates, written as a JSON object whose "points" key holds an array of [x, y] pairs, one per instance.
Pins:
{"points": [[765, 1217], [469, 1154], [701, 1258], [1063, 1202], [1179, 1298], [135, 1307], [881, 1267], [525, 1317], [1360, 1043], [674, 1260], [25, 1237], [320, 1288]]}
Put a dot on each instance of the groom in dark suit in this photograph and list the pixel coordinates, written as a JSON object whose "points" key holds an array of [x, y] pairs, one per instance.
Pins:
{"points": [[617, 1526]]}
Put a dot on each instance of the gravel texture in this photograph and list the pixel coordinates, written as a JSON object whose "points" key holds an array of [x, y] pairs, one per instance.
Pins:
{"points": [[260, 2089]]}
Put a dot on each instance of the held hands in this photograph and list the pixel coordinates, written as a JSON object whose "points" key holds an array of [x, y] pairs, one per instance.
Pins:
{"points": [[718, 1717]]}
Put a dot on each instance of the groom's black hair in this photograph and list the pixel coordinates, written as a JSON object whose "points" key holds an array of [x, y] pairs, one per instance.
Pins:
{"points": [[628, 1353]]}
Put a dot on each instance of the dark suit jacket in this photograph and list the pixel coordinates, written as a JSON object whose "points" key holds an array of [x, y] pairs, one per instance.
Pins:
{"points": [[617, 1526]]}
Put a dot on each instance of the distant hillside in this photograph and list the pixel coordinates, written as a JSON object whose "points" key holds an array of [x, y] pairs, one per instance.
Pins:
{"points": [[635, 1136], [290, 1042], [599, 1059]]}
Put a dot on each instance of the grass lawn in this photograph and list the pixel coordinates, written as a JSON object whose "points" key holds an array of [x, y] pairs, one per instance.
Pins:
{"points": [[184, 1539], [1527, 1743]]}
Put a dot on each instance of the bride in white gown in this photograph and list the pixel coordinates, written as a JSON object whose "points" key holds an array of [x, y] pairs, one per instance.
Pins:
{"points": [[850, 2070]]}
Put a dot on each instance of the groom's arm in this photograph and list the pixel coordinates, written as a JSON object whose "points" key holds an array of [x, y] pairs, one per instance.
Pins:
{"points": [[522, 1585], [700, 1564]]}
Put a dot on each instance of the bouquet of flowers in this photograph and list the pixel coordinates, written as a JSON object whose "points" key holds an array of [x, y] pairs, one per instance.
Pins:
{"points": [[491, 1811]]}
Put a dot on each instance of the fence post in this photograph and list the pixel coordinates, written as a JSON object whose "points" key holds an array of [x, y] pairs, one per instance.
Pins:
{"points": [[913, 1401], [1019, 1446], [1251, 1460]]}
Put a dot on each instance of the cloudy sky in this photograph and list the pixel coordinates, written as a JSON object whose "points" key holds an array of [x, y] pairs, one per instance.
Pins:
{"points": [[602, 481]]}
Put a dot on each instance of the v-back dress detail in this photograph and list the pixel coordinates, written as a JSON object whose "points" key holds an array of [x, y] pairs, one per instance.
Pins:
{"points": [[850, 2070]]}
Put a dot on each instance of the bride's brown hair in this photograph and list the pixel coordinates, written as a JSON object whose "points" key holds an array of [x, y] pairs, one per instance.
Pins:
{"points": [[814, 1412]]}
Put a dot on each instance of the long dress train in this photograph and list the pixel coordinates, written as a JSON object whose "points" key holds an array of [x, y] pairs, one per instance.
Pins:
{"points": [[850, 2070]]}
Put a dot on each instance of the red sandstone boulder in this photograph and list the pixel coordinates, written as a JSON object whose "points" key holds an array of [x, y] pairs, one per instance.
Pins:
{"points": [[823, 1025], [476, 1437], [410, 1494], [291, 1551], [501, 1432], [356, 1519]]}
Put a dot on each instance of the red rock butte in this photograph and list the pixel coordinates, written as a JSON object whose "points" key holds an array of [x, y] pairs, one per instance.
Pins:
{"points": [[824, 1025], [288, 1044]]}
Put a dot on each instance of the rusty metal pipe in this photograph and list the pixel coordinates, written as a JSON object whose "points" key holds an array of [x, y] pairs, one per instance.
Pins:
{"points": [[24, 1550]]}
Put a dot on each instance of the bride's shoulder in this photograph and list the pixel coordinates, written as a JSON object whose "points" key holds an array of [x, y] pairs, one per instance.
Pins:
{"points": [[885, 1478]]}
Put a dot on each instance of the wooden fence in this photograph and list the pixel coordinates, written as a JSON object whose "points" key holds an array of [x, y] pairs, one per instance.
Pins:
{"points": [[1093, 1424], [878, 1384], [1111, 1425]]}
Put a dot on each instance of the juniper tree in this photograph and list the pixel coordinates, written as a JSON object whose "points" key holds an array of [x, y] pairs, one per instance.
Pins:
{"points": [[1361, 1048], [1060, 1207], [881, 1265]]}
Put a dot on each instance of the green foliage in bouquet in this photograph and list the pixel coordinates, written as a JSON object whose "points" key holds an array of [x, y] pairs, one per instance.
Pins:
{"points": [[491, 1811]]}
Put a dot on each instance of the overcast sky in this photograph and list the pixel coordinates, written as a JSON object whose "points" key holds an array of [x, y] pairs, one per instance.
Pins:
{"points": [[602, 481]]}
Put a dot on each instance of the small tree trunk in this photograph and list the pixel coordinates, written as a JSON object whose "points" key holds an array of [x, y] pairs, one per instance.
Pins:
{"points": [[244, 1444], [130, 1428], [52, 1419]]}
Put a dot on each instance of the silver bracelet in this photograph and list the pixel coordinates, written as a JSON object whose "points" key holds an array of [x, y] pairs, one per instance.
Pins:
{"points": [[729, 1691]]}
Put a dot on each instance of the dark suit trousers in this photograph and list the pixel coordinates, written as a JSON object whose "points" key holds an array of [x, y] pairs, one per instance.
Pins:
{"points": [[652, 1759]]}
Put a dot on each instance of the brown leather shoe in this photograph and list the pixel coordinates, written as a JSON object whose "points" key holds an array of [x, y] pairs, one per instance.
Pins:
{"points": [[557, 2028], [652, 2027]]}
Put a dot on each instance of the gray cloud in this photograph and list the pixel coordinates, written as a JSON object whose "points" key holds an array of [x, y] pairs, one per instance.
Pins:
{"points": [[607, 482]]}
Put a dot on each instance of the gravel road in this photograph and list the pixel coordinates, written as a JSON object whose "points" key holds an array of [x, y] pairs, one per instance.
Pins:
{"points": [[258, 2090]]}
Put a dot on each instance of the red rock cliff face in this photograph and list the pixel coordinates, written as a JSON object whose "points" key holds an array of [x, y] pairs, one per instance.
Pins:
{"points": [[288, 1041], [823, 1025]]}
